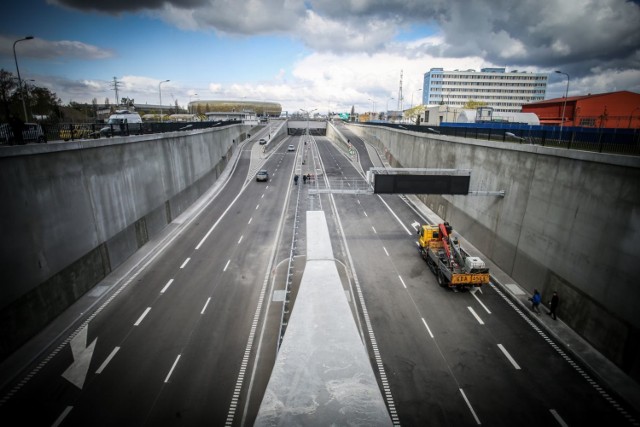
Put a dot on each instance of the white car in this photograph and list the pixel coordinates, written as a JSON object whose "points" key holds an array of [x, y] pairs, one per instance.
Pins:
{"points": [[291, 148]]}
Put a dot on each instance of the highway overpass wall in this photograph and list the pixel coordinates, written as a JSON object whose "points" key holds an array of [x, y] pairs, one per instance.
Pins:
{"points": [[570, 222], [72, 212]]}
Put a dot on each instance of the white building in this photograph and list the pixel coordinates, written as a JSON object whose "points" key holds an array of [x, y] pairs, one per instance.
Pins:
{"points": [[501, 90]]}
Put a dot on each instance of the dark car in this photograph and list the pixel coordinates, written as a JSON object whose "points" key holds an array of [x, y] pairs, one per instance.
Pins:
{"points": [[262, 175], [262, 141]]}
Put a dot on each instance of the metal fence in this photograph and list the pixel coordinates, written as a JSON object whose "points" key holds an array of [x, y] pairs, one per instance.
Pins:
{"points": [[603, 140]]}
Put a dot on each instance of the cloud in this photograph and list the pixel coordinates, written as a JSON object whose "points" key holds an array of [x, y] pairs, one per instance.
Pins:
{"points": [[121, 6], [46, 49]]}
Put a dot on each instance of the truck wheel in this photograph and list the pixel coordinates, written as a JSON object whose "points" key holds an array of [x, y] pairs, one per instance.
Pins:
{"points": [[432, 266], [441, 280]]}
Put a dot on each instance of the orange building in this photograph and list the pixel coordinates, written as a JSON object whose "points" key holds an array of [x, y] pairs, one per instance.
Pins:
{"points": [[604, 110]]}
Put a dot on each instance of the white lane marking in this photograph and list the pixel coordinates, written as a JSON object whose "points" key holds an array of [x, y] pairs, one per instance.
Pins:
{"points": [[506, 353], [365, 213], [142, 317], [374, 230], [558, 418], [107, 360], [250, 219], [415, 225], [166, 286], [220, 219], [257, 206], [470, 407], [186, 261], [395, 216], [172, 368], [240, 239], [385, 251], [262, 197], [62, 416], [476, 316], [76, 373], [205, 305], [480, 302], [226, 265], [402, 281], [427, 326]]}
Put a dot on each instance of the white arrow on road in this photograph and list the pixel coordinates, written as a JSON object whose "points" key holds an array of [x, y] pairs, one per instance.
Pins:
{"points": [[77, 372], [415, 225]]}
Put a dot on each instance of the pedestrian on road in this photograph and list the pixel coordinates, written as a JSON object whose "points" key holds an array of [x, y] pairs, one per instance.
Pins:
{"points": [[295, 179], [535, 301], [553, 305], [304, 179], [309, 178]]}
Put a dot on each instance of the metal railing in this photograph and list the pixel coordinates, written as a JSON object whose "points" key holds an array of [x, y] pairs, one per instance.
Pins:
{"points": [[83, 131], [603, 140]]}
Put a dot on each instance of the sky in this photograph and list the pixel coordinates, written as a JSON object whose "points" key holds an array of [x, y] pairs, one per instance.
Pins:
{"points": [[324, 55]]}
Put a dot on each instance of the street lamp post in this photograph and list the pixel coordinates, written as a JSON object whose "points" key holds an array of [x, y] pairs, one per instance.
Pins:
{"points": [[308, 114], [387, 109], [160, 92], [15, 58], [195, 94], [412, 97], [564, 104]]}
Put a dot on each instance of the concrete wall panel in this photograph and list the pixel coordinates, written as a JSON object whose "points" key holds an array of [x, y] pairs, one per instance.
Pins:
{"points": [[73, 212]]}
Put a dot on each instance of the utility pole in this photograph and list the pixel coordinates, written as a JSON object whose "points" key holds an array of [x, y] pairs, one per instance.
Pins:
{"points": [[400, 99], [115, 86]]}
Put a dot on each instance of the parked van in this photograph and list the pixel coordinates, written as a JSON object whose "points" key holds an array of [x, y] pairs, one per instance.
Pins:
{"points": [[123, 122]]}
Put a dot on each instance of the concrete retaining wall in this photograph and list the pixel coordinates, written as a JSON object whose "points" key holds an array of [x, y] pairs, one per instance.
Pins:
{"points": [[570, 222], [73, 212]]}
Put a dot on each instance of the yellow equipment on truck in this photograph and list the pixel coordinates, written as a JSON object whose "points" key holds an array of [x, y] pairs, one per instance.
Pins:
{"points": [[451, 264]]}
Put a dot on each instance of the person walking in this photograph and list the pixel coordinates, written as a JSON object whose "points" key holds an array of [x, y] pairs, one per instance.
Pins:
{"points": [[304, 178], [295, 179], [535, 301], [553, 305]]}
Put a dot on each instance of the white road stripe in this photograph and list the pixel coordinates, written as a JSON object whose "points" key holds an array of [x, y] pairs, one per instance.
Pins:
{"points": [[62, 416], [142, 317], [250, 219], [186, 261], [226, 265], [476, 316], [107, 360], [395, 216], [402, 281], [205, 305], [427, 326], [374, 230], [166, 286], [385, 251], [558, 418], [506, 353], [365, 213], [240, 239], [480, 302], [172, 368], [470, 408]]}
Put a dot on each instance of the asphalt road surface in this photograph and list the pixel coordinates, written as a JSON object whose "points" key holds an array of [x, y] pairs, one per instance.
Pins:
{"points": [[190, 339]]}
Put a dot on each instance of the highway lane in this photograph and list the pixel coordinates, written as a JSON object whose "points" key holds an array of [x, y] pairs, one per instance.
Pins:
{"points": [[487, 362], [171, 346]]}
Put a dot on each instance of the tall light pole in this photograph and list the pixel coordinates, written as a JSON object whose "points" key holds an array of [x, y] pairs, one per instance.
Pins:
{"points": [[15, 58], [564, 104], [160, 92], [373, 108], [195, 94], [412, 97], [387, 109]]}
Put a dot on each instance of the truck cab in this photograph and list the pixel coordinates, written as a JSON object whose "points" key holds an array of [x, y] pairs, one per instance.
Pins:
{"points": [[123, 122]]}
